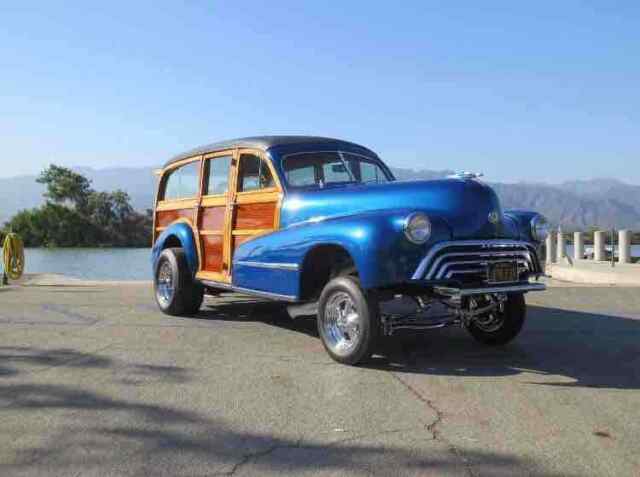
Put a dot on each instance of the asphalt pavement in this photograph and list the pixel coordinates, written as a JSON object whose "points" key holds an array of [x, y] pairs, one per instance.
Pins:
{"points": [[95, 381]]}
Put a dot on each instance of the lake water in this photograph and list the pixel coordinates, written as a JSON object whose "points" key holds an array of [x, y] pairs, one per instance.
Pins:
{"points": [[91, 263], [114, 263]]}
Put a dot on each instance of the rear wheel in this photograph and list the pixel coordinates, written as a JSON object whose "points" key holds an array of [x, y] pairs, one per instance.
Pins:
{"points": [[176, 292], [348, 320], [502, 325]]}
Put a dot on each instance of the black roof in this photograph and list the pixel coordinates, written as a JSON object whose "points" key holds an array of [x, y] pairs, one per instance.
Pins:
{"points": [[257, 142]]}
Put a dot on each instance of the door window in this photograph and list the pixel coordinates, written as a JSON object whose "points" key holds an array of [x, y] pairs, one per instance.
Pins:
{"points": [[217, 175], [254, 174], [183, 182]]}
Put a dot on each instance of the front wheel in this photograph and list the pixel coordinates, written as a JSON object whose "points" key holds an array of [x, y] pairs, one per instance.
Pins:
{"points": [[348, 320], [176, 292], [502, 325]]}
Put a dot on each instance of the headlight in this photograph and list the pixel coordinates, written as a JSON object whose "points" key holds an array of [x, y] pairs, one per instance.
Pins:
{"points": [[540, 228], [417, 228]]}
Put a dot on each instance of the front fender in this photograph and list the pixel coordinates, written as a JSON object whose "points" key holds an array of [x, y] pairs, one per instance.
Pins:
{"points": [[375, 241], [522, 219], [179, 234]]}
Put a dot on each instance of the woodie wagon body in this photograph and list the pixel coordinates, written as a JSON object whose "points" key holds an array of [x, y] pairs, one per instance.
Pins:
{"points": [[322, 222]]}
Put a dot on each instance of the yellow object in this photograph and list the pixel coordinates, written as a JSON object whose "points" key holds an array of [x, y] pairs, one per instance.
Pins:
{"points": [[13, 256]]}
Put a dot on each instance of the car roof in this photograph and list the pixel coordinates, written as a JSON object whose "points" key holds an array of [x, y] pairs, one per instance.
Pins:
{"points": [[258, 142]]}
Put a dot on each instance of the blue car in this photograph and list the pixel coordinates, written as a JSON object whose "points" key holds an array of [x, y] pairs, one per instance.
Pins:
{"points": [[323, 225]]}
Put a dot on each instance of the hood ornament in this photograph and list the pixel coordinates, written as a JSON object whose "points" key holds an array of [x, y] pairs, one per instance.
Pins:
{"points": [[494, 217], [465, 175]]}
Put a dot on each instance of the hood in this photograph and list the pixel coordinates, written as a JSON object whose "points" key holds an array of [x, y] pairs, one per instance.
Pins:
{"points": [[464, 204]]}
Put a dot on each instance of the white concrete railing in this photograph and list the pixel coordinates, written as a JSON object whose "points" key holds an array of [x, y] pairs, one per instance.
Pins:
{"points": [[556, 247]]}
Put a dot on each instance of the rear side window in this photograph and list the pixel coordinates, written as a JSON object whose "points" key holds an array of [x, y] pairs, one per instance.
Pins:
{"points": [[183, 182], [217, 175], [254, 174]]}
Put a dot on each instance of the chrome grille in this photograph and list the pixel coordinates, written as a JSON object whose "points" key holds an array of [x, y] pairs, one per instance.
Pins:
{"points": [[467, 260]]}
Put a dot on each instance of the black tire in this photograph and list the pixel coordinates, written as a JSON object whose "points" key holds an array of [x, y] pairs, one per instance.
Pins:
{"points": [[513, 317], [367, 323], [186, 295]]}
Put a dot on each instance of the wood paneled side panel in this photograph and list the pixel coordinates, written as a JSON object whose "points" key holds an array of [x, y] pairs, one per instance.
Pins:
{"points": [[212, 218], [164, 218], [212, 251], [255, 216], [240, 239]]}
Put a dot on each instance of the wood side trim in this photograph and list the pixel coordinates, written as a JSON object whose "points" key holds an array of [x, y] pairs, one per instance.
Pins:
{"points": [[246, 232], [255, 197], [214, 200], [219, 277], [177, 204]]}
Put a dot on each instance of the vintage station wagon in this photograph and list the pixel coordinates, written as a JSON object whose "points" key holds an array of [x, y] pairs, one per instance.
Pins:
{"points": [[323, 225]]}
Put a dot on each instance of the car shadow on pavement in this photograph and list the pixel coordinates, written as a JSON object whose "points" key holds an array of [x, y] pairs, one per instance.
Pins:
{"points": [[114, 435], [558, 347]]}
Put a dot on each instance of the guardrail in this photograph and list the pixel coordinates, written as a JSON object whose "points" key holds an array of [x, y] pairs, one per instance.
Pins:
{"points": [[556, 247]]}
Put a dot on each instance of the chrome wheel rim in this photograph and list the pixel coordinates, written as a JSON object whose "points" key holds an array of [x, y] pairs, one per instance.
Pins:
{"points": [[342, 324], [164, 284], [490, 322]]}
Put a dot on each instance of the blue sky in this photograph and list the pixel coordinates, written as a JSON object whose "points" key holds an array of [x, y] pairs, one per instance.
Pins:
{"points": [[541, 91]]}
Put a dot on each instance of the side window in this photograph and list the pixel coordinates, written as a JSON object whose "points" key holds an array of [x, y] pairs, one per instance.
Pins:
{"points": [[365, 171], [254, 174], [302, 175], [335, 172], [371, 173], [218, 175], [183, 182]]}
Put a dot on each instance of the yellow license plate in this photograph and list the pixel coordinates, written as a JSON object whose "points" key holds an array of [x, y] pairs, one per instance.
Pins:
{"points": [[502, 272]]}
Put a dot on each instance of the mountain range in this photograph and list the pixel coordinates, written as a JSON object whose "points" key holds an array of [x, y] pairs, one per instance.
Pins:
{"points": [[603, 203]]}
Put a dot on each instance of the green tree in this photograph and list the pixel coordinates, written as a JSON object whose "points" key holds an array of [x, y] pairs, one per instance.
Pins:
{"points": [[76, 215], [64, 185]]}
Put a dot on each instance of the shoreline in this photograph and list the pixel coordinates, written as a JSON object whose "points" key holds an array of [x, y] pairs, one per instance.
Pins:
{"points": [[60, 280]]}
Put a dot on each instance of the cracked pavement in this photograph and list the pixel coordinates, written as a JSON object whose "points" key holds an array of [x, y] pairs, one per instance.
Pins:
{"points": [[95, 381]]}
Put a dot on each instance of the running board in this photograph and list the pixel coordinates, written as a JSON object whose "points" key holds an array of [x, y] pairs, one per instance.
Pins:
{"points": [[248, 291]]}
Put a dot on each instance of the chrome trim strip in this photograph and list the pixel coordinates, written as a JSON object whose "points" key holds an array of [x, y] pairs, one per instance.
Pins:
{"points": [[248, 291], [483, 291], [279, 266], [496, 243]]}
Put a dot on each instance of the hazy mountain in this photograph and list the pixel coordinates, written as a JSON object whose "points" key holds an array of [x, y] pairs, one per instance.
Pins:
{"points": [[576, 204]]}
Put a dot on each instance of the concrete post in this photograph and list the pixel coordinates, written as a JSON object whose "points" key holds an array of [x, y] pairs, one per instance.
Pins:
{"points": [[598, 246], [578, 246], [624, 246], [551, 249], [560, 248]]}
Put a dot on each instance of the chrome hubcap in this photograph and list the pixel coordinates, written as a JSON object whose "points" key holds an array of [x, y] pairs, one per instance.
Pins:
{"points": [[164, 284], [342, 324]]}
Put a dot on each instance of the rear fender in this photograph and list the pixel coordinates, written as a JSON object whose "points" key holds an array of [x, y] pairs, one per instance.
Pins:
{"points": [[178, 234]]}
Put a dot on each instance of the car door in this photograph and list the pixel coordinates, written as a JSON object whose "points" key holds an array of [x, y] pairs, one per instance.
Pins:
{"points": [[257, 198], [214, 216]]}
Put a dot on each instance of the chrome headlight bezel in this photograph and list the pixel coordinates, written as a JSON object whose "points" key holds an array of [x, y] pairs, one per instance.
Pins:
{"points": [[540, 228], [417, 228]]}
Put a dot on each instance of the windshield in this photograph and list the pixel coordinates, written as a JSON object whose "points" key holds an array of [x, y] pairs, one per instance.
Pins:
{"points": [[320, 169]]}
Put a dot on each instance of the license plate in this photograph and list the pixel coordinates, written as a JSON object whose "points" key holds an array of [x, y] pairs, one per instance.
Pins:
{"points": [[502, 272]]}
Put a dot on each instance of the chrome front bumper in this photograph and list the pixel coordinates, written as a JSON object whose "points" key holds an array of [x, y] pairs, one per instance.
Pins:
{"points": [[512, 288]]}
